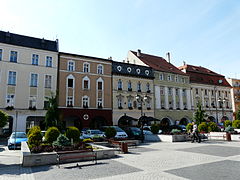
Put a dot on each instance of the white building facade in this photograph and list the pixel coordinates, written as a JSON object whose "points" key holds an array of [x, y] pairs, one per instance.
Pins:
{"points": [[28, 75]]}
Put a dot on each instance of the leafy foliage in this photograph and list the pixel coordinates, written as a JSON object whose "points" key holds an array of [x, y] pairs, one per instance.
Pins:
{"points": [[175, 131], [199, 114], [3, 118], [189, 127], [212, 127], [62, 141], [203, 127], [154, 128], [227, 123], [88, 140], [236, 124], [52, 134], [52, 115], [238, 113], [73, 133], [110, 132], [34, 137], [33, 130]]}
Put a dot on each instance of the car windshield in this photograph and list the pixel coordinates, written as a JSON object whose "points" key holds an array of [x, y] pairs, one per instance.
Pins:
{"points": [[96, 132], [135, 129], [19, 135], [118, 129]]}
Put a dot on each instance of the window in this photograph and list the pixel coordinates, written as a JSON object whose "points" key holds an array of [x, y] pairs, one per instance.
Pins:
{"points": [[48, 81], [226, 93], [48, 61], [129, 103], [119, 84], [212, 92], [70, 83], [129, 86], [206, 104], [196, 91], [119, 101], [13, 56], [100, 69], [148, 87], [32, 101], [176, 78], [35, 59], [86, 67], [99, 103], [69, 101], [85, 84], [169, 77], [71, 66], [12, 78], [10, 100], [46, 103], [219, 93], [161, 77], [85, 101], [206, 92], [184, 92], [169, 91], [0, 54], [34, 80], [139, 87], [100, 85], [183, 80], [177, 92], [161, 91]]}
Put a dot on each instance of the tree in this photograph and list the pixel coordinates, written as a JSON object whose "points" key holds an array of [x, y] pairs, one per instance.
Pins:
{"points": [[199, 114], [3, 118], [238, 114], [52, 115]]}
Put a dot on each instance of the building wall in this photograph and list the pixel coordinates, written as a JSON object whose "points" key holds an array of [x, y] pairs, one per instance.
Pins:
{"points": [[22, 89]]}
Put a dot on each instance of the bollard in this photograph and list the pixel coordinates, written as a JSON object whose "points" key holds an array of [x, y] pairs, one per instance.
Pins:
{"points": [[124, 147], [228, 136]]}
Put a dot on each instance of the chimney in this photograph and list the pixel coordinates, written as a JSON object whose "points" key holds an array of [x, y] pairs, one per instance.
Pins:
{"points": [[8, 36], [110, 58], [184, 63], [168, 57], [138, 52], [124, 61]]}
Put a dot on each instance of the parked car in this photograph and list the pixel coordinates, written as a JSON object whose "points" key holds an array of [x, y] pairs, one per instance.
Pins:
{"points": [[168, 129], [133, 132], [91, 133], [15, 140], [120, 133]]}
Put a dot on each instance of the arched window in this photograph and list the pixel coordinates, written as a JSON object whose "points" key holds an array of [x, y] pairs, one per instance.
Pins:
{"points": [[100, 69], [70, 81], [85, 83], [100, 84]]}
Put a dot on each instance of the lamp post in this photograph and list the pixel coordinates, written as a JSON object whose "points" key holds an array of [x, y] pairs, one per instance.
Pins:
{"points": [[220, 100], [140, 100]]}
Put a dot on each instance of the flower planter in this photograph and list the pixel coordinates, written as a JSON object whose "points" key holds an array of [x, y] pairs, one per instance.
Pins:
{"points": [[173, 138]]}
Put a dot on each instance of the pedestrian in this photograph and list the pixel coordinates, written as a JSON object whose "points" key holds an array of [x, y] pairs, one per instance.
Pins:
{"points": [[195, 135]]}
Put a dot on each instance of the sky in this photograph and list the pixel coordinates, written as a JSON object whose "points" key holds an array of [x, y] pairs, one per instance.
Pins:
{"points": [[200, 32]]}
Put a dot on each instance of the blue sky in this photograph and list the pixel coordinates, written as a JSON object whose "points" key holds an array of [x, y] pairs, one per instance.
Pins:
{"points": [[200, 32]]}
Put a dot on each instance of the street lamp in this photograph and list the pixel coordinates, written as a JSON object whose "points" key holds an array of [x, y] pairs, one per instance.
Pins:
{"points": [[220, 100], [140, 100]]}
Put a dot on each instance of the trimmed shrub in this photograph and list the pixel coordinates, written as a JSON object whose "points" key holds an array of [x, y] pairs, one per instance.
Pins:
{"points": [[203, 127], [189, 127], [154, 128], [227, 123], [110, 132], [73, 133], [175, 131], [33, 130], [52, 134], [62, 141], [212, 127], [236, 124]]}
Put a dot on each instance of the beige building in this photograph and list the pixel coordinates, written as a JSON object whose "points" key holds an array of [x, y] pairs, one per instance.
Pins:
{"points": [[171, 89], [211, 90], [132, 93], [28, 74], [85, 96], [235, 94]]}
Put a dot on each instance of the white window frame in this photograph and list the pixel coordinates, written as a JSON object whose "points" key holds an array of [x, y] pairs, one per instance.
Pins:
{"points": [[13, 80], [49, 61], [16, 56], [85, 100], [120, 84], [32, 102], [11, 99], [68, 100], [35, 59], [46, 82], [71, 65], [100, 69], [119, 102], [86, 79], [161, 77], [169, 77], [129, 85], [86, 67], [99, 102], [130, 103], [70, 77], [100, 80], [31, 82]]}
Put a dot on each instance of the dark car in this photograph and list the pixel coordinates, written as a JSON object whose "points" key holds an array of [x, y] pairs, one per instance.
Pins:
{"points": [[133, 132], [168, 129]]}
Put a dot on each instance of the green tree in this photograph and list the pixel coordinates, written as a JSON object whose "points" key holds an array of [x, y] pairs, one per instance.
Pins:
{"points": [[238, 113], [3, 118], [199, 114], [52, 115]]}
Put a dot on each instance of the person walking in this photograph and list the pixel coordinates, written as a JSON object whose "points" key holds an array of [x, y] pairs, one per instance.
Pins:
{"points": [[195, 134]]}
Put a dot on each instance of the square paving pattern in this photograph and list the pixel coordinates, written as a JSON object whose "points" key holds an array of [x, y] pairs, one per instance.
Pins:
{"points": [[210, 171], [88, 170], [214, 150]]}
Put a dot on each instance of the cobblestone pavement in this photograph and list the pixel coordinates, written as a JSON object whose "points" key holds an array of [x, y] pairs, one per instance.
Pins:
{"points": [[207, 160]]}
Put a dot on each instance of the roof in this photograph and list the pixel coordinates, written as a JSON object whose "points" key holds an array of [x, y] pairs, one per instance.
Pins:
{"points": [[132, 70], [203, 75], [26, 41], [158, 63], [83, 56]]}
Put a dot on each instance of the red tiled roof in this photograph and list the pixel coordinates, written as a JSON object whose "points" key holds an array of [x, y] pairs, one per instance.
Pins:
{"points": [[203, 75], [158, 63]]}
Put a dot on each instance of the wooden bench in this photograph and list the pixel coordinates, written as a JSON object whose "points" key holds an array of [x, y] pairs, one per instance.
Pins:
{"points": [[64, 155]]}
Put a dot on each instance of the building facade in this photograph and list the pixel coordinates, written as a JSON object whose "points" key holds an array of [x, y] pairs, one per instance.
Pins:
{"points": [[235, 94], [171, 86], [133, 93], [211, 90], [28, 75], [85, 90]]}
